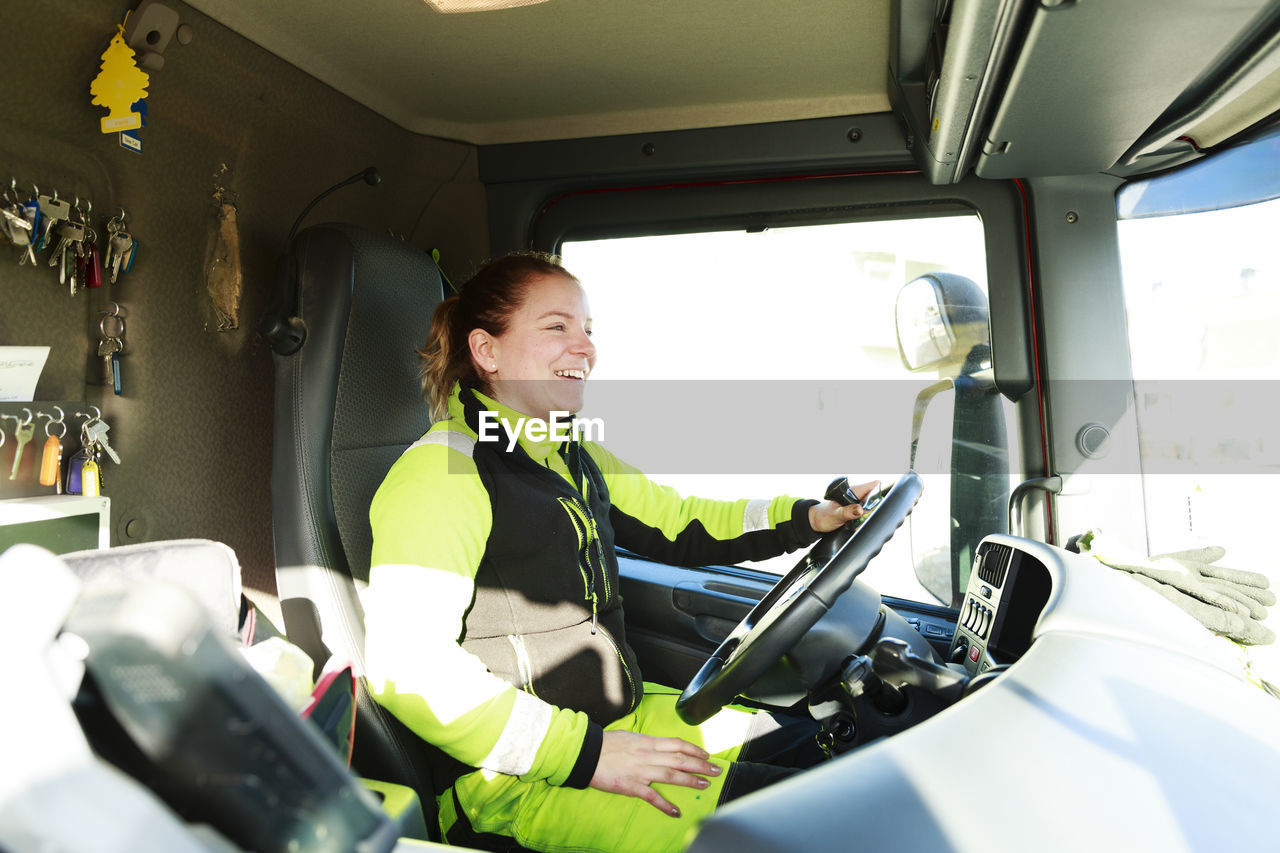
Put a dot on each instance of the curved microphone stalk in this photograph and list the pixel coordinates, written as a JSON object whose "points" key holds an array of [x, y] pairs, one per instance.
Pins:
{"points": [[370, 176]]}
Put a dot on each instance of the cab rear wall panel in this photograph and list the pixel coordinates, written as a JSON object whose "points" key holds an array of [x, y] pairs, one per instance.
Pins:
{"points": [[193, 426]]}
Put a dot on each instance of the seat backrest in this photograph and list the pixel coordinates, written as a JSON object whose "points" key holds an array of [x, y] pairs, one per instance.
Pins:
{"points": [[347, 404]]}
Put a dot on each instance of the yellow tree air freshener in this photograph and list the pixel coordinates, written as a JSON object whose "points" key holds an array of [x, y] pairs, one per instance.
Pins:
{"points": [[119, 85]]}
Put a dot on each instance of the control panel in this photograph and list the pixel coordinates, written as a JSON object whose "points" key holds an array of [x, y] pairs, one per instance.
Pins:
{"points": [[981, 607], [1008, 589]]}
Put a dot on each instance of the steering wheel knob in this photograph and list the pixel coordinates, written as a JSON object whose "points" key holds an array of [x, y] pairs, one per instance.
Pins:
{"points": [[840, 492]]}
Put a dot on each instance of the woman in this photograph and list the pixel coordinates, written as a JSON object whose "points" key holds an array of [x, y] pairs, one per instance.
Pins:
{"points": [[494, 625]]}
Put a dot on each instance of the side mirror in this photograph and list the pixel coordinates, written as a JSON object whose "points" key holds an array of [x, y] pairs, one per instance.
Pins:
{"points": [[940, 318], [941, 321]]}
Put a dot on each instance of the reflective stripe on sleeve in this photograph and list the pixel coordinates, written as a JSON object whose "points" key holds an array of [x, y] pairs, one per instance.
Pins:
{"points": [[413, 618], [756, 516], [517, 747], [451, 438]]}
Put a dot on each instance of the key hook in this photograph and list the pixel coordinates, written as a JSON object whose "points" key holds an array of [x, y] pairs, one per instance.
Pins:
{"points": [[59, 421], [30, 417], [96, 416]]}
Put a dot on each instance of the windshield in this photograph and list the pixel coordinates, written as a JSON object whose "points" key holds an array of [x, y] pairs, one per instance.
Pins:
{"points": [[732, 316]]}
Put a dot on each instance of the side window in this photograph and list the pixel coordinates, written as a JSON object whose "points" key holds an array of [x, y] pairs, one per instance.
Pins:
{"points": [[806, 322], [1202, 293]]}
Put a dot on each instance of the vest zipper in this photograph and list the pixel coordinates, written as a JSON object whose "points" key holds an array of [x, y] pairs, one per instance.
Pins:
{"points": [[583, 524], [593, 544]]}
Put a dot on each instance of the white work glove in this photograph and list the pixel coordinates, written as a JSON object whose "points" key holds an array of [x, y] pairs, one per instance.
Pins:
{"points": [[1230, 602]]}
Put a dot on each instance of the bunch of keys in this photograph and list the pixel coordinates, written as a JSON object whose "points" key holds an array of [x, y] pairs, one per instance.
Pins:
{"points": [[18, 221], [22, 433], [70, 255], [121, 247], [84, 476], [52, 211], [111, 347]]}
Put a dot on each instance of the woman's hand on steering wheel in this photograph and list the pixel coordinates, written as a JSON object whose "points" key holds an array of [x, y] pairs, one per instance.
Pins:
{"points": [[630, 763], [828, 515]]}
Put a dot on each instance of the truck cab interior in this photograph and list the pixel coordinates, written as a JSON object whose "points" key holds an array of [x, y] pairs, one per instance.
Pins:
{"points": [[1015, 259]]}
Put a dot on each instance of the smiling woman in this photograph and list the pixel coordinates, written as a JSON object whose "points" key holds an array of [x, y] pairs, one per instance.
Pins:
{"points": [[532, 681]]}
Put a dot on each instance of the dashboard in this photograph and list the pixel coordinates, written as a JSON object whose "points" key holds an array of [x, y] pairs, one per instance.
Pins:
{"points": [[1108, 719]]}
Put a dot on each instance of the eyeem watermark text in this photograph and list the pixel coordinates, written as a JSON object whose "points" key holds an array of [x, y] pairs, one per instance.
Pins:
{"points": [[562, 427]]}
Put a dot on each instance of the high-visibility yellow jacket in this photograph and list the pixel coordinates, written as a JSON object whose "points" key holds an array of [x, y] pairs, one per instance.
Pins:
{"points": [[494, 626]]}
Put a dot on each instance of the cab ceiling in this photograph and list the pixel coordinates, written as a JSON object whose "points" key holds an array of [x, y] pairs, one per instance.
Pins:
{"points": [[574, 68]]}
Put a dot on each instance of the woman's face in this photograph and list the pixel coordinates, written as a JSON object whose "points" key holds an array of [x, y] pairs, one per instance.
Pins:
{"points": [[541, 363]]}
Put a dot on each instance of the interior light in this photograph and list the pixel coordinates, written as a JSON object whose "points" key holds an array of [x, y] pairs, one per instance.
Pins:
{"points": [[452, 6]]}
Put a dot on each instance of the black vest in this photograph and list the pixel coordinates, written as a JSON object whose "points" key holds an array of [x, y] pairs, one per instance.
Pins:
{"points": [[547, 614]]}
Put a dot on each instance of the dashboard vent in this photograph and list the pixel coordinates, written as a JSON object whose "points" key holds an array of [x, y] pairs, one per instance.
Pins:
{"points": [[995, 562]]}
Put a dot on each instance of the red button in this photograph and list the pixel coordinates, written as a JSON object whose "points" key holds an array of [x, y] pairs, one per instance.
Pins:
{"points": [[974, 651]]}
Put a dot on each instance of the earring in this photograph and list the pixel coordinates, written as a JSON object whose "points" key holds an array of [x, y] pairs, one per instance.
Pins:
{"points": [[493, 367]]}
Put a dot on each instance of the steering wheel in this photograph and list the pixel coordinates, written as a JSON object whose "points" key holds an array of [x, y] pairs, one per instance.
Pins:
{"points": [[795, 604]]}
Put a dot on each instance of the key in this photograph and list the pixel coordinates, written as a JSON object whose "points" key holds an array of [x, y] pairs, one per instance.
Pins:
{"points": [[120, 250], [23, 434], [54, 208], [97, 433], [69, 234], [119, 246], [107, 348], [16, 226], [75, 266]]}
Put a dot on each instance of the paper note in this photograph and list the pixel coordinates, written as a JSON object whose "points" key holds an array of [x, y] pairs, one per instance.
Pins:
{"points": [[19, 372]]}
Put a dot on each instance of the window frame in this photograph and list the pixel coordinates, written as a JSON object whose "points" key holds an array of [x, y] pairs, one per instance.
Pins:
{"points": [[620, 210]]}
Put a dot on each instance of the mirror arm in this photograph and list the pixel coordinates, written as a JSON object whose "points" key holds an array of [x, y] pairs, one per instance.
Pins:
{"points": [[917, 413]]}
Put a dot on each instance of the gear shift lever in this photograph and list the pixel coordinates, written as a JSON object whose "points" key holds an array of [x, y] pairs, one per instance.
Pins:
{"points": [[897, 665]]}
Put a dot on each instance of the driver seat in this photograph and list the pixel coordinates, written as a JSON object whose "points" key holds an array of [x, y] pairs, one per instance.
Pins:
{"points": [[347, 403]]}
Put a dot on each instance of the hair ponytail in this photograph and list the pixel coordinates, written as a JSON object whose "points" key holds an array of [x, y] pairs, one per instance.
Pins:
{"points": [[486, 301], [441, 366]]}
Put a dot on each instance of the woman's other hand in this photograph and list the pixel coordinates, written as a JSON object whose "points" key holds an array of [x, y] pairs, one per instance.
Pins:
{"points": [[828, 515], [630, 763]]}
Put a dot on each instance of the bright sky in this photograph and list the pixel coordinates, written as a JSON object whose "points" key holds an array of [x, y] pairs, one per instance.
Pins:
{"points": [[788, 303], [809, 302]]}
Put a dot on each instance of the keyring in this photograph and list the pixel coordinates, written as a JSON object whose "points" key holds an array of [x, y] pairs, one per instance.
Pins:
{"points": [[114, 315]]}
